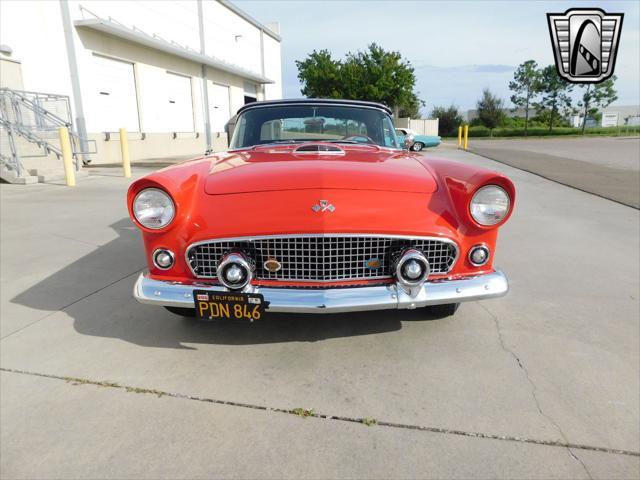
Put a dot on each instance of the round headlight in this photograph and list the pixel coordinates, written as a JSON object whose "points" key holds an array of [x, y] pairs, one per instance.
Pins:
{"points": [[153, 208], [489, 205]]}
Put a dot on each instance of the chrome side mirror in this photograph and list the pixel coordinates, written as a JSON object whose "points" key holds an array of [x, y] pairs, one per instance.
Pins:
{"points": [[409, 140]]}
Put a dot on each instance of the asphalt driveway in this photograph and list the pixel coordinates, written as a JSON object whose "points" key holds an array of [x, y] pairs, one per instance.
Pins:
{"points": [[604, 166], [543, 383]]}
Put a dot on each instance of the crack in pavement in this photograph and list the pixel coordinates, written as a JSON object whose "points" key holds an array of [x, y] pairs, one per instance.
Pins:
{"points": [[310, 413], [534, 388]]}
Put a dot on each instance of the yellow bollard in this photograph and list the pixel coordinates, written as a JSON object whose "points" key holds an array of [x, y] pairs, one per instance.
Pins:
{"points": [[67, 156], [459, 136], [124, 148], [466, 136]]}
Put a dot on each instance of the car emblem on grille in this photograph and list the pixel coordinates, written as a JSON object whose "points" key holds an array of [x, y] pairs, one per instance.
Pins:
{"points": [[373, 263], [272, 265], [585, 43], [323, 206]]}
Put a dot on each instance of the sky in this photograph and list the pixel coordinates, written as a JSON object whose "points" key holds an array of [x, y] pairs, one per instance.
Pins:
{"points": [[457, 48]]}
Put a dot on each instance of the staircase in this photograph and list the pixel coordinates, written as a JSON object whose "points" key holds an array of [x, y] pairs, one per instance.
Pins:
{"points": [[29, 145]]}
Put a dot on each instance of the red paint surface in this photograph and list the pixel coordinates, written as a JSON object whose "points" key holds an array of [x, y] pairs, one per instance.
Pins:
{"points": [[270, 191]]}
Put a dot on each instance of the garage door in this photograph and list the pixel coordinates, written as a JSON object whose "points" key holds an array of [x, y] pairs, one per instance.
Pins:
{"points": [[179, 103], [219, 110], [113, 96]]}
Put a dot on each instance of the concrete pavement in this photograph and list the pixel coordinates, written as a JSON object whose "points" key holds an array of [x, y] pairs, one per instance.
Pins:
{"points": [[555, 362]]}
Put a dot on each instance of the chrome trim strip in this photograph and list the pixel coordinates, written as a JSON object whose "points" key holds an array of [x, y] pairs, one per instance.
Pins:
{"points": [[320, 235], [335, 300]]}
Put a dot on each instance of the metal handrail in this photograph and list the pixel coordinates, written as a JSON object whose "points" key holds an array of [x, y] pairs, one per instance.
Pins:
{"points": [[22, 114], [37, 108], [11, 163]]}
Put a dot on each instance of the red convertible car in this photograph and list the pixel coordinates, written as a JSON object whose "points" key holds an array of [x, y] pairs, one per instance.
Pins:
{"points": [[316, 208]]}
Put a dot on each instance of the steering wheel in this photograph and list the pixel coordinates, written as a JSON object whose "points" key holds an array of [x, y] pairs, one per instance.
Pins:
{"points": [[357, 138]]}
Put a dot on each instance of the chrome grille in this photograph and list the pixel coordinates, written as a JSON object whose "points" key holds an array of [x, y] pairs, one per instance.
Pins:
{"points": [[321, 258]]}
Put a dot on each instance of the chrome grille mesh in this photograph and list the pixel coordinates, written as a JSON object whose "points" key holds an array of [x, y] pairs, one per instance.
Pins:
{"points": [[321, 258]]}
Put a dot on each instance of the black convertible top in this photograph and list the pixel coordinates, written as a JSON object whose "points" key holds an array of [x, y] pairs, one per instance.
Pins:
{"points": [[314, 101]]}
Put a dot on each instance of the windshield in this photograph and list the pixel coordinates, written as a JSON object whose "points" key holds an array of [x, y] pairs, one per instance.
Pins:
{"points": [[302, 123]]}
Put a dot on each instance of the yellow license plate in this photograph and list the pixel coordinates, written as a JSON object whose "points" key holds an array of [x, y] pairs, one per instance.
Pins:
{"points": [[229, 306]]}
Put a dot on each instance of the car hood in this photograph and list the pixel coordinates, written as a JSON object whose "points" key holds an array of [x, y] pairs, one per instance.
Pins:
{"points": [[280, 168]]}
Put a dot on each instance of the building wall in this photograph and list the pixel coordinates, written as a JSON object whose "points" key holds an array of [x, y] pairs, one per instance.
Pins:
{"points": [[10, 74], [273, 68], [151, 69], [34, 32], [230, 37], [627, 114], [162, 105], [422, 126]]}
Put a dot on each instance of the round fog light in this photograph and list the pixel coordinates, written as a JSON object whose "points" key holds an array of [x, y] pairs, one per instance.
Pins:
{"points": [[163, 259], [412, 269], [479, 255], [234, 274], [234, 271]]}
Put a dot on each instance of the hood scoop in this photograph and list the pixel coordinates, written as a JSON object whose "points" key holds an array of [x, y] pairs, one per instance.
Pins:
{"points": [[318, 149]]}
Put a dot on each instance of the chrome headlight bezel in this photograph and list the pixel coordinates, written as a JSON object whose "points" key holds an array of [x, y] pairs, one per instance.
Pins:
{"points": [[162, 201], [479, 207]]}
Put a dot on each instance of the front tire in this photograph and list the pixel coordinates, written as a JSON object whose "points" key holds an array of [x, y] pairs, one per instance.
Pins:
{"points": [[442, 311], [417, 146], [183, 312]]}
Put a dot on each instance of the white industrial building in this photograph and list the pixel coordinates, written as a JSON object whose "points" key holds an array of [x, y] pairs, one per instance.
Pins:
{"points": [[612, 116], [171, 72]]}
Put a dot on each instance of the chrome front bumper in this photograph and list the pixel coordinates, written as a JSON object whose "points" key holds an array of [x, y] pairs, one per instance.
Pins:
{"points": [[335, 300]]}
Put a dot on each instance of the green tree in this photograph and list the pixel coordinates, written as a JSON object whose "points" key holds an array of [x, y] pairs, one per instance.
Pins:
{"points": [[544, 117], [490, 110], [449, 119], [320, 75], [375, 74], [595, 97], [525, 86], [555, 99], [412, 110]]}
